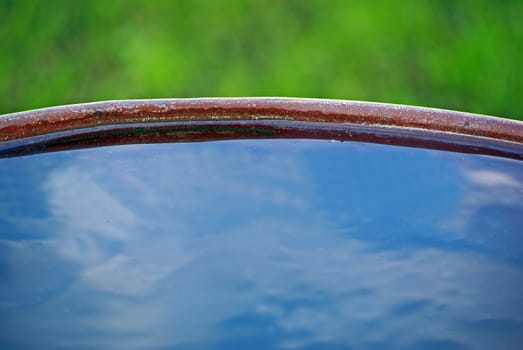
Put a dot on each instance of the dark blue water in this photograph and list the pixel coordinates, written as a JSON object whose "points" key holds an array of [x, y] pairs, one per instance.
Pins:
{"points": [[261, 245]]}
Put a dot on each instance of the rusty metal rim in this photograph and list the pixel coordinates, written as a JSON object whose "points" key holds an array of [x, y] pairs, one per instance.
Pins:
{"points": [[418, 126]]}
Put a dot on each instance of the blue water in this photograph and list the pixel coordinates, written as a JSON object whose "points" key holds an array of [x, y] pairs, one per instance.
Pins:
{"points": [[261, 245]]}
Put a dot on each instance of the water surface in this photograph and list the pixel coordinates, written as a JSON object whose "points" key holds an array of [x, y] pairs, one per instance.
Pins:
{"points": [[261, 245]]}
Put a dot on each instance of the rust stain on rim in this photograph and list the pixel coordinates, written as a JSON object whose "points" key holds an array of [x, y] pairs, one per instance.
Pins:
{"points": [[235, 111]]}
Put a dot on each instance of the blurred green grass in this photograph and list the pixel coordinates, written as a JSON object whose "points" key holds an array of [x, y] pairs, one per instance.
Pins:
{"points": [[464, 55]]}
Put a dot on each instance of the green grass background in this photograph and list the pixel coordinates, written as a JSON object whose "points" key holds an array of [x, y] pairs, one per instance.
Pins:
{"points": [[457, 54]]}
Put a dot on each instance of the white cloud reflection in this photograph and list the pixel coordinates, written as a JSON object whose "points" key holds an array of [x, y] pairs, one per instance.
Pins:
{"points": [[492, 178], [487, 191], [185, 246]]}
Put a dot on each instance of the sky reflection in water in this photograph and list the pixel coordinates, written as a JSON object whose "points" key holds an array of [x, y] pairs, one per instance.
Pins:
{"points": [[261, 244]]}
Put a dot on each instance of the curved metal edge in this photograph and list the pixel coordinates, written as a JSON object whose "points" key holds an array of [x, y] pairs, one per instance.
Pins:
{"points": [[234, 130], [235, 111]]}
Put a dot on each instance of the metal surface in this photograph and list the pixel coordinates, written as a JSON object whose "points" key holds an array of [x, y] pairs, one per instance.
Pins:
{"points": [[171, 120]]}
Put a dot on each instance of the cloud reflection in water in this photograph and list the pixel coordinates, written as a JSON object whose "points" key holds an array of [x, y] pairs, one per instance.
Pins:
{"points": [[263, 245]]}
